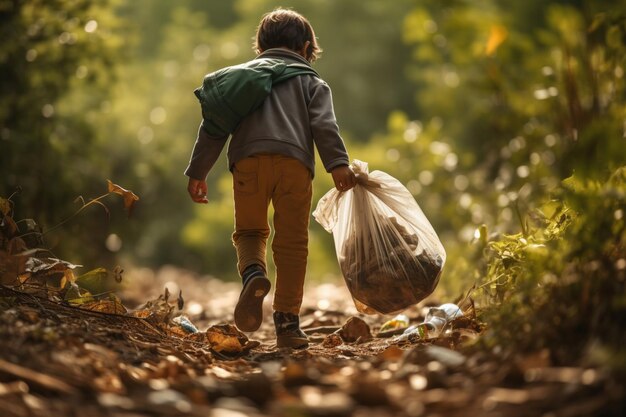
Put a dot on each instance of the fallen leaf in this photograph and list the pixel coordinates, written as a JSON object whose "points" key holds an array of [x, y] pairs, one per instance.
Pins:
{"points": [[118, 271], [226, 338], [111, 306], [77, 296], [94, 280], [48, 265], [159, 309], [68, 276], [129, 197], [11, 267], [8, 227], [5, 206]]}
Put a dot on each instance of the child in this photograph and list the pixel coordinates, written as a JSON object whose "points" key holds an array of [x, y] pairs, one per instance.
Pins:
{"points": [[271, 156]]}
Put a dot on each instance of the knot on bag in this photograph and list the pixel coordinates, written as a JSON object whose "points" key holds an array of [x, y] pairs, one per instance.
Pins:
{"points": [[361, 171]]}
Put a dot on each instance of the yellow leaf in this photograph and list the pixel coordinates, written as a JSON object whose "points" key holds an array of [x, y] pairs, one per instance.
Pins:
{"points": [[497, 35], [68, 277], [129, 197], [226, 338], [75, 296], [95, 280]]}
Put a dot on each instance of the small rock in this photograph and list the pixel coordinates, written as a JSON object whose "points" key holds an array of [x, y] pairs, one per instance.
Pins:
{"points": [[355, 329], [332, 340]]}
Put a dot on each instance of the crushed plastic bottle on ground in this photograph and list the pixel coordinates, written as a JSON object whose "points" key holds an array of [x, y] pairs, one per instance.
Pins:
{"points": [[434, 323], [185, 324]]}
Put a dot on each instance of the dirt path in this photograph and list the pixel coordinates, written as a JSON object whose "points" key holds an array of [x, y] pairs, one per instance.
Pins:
{"points": [[60, 361]]}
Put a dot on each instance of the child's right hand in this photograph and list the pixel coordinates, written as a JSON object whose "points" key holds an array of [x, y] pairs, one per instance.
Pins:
{"points": [[197, 190], [343, 177]]}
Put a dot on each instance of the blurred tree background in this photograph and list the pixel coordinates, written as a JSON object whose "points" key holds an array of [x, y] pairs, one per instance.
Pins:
{"points": [[482, 108]]}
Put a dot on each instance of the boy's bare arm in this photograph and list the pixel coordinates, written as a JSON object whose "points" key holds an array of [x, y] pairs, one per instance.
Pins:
{"points": [[197, 190], [343, 177]]}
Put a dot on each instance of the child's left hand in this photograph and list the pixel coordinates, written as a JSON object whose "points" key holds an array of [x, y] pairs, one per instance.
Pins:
{"points": [[343, 177], [197, 190]]}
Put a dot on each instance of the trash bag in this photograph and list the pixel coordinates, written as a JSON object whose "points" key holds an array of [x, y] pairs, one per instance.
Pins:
{"points": [[388, 252]]}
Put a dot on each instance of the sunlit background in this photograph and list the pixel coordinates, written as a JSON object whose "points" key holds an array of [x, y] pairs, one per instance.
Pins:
{"points": [[480, 108]]}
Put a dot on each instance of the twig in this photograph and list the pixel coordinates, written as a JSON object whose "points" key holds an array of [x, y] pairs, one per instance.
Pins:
{"points": [[43, 380], [523, 224], [84, 206], [321, 329], [490, 282]]}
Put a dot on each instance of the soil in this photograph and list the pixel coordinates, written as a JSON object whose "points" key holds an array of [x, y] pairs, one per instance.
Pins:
{"points": [[59, 360]]}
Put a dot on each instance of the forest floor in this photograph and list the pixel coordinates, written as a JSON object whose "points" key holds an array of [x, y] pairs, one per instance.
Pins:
{"points": [[58, 360]]}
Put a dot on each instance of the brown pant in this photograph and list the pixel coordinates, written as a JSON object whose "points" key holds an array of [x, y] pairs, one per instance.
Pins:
{"points": [[287, 183]]}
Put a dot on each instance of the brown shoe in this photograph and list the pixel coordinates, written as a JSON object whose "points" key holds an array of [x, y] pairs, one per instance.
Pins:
{"points": [[288, 333], [249, 308]]}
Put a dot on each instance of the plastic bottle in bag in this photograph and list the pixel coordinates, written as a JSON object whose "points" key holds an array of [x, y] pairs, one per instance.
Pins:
{"points": [[434, 323]]}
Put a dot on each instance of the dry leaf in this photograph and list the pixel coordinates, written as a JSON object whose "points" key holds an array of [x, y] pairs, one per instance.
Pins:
{"points": [[5, 206], [497, 35], [112, 306], [226, 338], [118, 271], [158, 310], [68, 276], [48, 265], [11, 266], [129, 197]]}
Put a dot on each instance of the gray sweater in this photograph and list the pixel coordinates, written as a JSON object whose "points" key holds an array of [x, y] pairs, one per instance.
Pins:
{"points": [[296, 116]]}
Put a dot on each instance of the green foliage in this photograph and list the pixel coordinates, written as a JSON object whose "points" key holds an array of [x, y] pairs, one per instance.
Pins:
{"points": [[560, 286], [46, 49]]}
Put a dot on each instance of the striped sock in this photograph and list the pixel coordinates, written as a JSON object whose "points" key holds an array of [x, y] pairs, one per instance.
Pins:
{"points": [[253, 271]]}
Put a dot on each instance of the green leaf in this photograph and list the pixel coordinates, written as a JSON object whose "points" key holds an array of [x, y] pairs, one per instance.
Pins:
{"points": [[614, 37], [598, 20], [94, 280], [74, 295]]}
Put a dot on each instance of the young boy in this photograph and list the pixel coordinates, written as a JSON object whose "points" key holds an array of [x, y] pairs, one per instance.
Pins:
{"points": [[271, 156]]}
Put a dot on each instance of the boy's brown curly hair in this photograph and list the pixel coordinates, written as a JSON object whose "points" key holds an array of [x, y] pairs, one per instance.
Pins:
{"points": [[289, 29]]}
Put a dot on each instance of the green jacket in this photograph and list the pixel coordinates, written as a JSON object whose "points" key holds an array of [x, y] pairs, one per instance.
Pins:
{"points": [[229, 94]]}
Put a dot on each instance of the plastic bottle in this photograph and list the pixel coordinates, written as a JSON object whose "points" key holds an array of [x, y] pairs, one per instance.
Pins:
{"points": [[434, 323], [185, 324], [400, 321]]}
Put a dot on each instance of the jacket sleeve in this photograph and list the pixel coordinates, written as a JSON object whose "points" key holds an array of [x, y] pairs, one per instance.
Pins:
{"points": [[205, 152], [324, 128]]}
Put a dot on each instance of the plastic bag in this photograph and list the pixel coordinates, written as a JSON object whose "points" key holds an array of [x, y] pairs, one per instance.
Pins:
{"points": [[388, 252]]}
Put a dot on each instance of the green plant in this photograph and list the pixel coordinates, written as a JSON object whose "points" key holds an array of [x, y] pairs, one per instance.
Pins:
{"points": [[561, 284]]}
